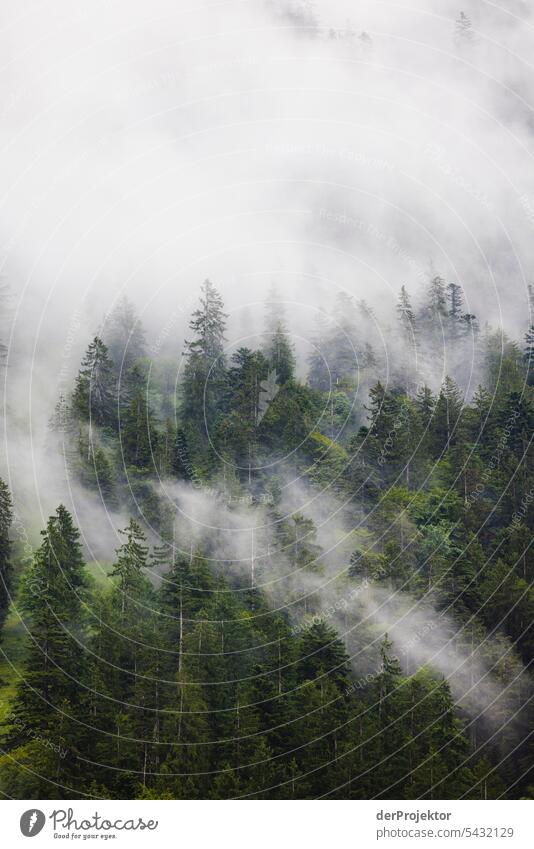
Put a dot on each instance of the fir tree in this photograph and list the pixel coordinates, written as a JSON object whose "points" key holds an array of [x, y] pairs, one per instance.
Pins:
{"points": [[278, 349], [464, 34], [181, 461], [50, 697], [132, 558], [447, 416], [93, 398], [139, 435], [204, 375], [124, 336], [435, 310], [406, 315], [455, 298]]}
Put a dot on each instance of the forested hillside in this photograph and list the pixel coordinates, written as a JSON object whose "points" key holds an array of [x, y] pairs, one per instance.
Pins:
{"points": [[323, 581]]}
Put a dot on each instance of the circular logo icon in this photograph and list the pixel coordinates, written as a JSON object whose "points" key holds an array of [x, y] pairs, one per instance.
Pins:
{"points": [[32, 822]]}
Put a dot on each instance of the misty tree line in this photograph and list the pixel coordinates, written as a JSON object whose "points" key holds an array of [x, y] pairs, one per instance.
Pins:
{"points": [[303, 15], [194, 688]]}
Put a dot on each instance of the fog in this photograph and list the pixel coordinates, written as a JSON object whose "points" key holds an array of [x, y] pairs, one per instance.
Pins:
{"points": [[322, 147]]}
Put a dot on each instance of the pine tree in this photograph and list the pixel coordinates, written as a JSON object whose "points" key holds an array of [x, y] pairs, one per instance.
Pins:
{"points": [[132, 558], [281, 356], [204, 375], [278, 349], [181, 461], [447, 416], [406, 316], [435, 310], [50, 697], [61, 421], [124, 336], [319, 375], [139, 435], [464, 34], [247, 379], [343, 342], [455, 298], [93, 398], [425, 404]]}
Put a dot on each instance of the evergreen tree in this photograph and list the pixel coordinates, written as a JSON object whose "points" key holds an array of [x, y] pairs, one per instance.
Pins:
{"points": [[124, 335], [278, 349], [204, 377], [132, 558], [93, 398], [181, 462], [447, 416], [406, 316], [139, 435], [464, 34], [435, 310], [49, 698], [454, 294], [280, 355]]}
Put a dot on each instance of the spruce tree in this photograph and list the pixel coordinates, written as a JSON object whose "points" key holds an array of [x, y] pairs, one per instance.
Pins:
{"points": [[278, 349], [435, 309], [93, 398], [454, 296], [204, 376], [124, 335], [139, 434], [50, 697], [132, 558], [447, 416], [181, 461], [464, 34], [406, 316]]}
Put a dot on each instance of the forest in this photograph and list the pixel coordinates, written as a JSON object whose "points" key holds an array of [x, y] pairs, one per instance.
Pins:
{"points": [[322, 586]]}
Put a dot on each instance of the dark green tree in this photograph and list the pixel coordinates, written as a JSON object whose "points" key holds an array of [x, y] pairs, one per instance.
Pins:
{"points": [[93, 397], [204, 378]]}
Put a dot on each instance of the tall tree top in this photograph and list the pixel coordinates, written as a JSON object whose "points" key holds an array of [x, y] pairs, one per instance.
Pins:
{"points": [[124, 334], [208, 323]]}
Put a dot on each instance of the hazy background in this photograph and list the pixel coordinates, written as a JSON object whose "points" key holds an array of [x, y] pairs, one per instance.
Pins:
{"points": [[324, 146]]}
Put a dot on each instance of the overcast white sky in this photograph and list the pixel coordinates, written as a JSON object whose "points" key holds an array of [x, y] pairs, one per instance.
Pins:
{"points": [[146, 146]]}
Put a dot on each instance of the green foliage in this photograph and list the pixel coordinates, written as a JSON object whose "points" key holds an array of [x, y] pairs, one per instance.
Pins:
{"points": [[93, 397], [169, 680]]}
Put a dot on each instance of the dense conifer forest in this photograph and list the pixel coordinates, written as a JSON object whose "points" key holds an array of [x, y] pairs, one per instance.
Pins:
{"points": [[322, 586]]}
